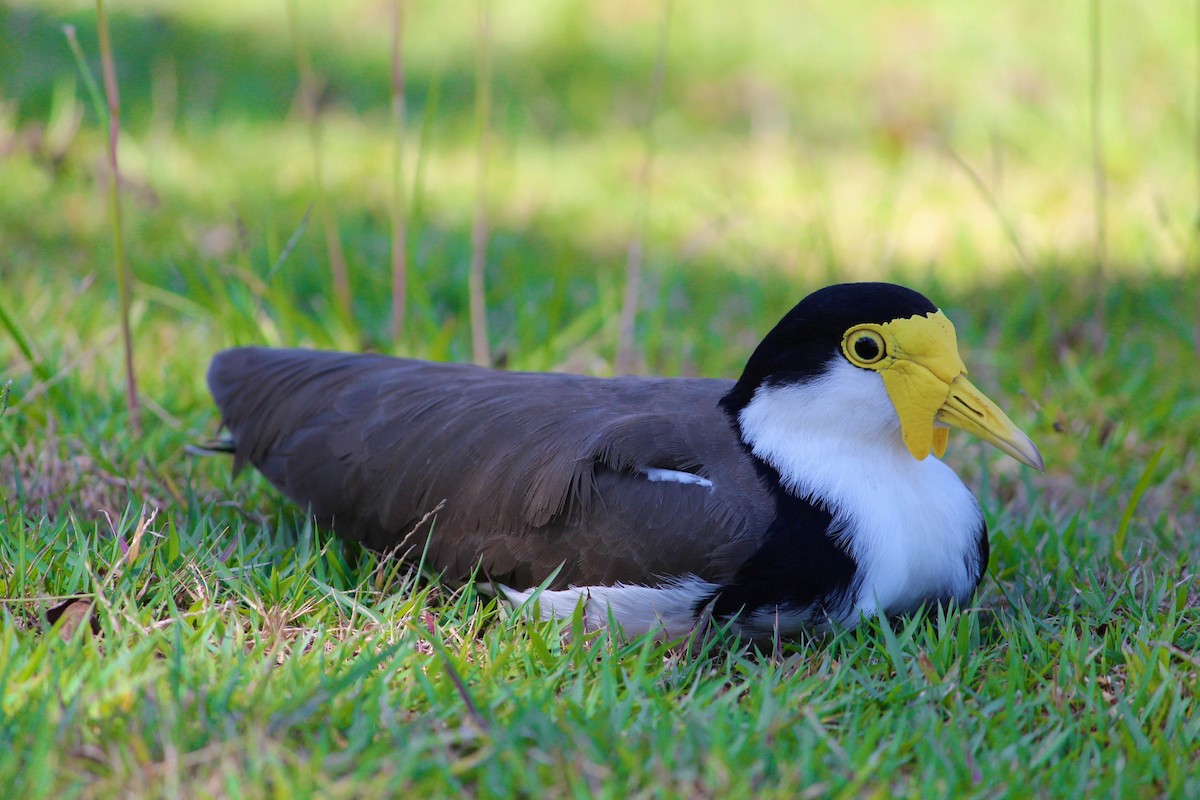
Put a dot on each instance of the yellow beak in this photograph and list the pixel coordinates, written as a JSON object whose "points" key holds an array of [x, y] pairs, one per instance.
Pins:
{"points": [[969, 409], [926, 381]]}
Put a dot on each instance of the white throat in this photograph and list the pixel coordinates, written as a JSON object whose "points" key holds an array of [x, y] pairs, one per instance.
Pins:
{"points": [[911, 526]]}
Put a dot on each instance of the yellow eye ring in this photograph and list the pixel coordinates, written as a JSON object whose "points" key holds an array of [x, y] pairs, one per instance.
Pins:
{"points": [[863, 346]]}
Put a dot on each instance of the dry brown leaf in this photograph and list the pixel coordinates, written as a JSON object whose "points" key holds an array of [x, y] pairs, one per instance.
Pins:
{"points": [[67, 617]]}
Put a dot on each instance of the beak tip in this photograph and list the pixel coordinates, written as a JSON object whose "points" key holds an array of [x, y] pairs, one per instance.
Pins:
{"points": [[1028, 454]]}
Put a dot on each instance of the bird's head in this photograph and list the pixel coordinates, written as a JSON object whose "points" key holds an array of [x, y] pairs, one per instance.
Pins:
{"points": [[898, 335]]}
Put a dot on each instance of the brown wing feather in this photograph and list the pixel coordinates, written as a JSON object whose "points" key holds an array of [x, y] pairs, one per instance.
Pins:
{"points": [[536, 470]]}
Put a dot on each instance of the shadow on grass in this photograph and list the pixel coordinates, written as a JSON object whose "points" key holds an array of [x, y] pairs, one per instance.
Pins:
{"points": [[571, 82]]}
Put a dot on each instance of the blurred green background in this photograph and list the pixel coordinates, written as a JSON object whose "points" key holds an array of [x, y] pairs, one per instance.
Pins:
{"points": [[815, 141]]}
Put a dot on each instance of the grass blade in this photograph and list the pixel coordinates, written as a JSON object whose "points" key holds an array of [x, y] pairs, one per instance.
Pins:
{"points": [[89, 80], [22, 342], [1099, 174], [480, 348], [637, 246], [124, 278], [339, 272], [1118, 545], [399, 198]]}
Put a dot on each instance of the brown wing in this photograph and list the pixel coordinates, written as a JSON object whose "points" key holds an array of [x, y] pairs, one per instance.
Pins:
{"points": [[535, 470]]}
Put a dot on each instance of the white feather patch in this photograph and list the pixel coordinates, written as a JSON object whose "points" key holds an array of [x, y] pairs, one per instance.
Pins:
{"points": [[659, 475], [910, 525], [669, 608]]}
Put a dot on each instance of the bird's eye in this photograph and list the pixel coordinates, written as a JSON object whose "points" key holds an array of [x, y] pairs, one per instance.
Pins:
{"points": [[864, 346], [867, 348]]}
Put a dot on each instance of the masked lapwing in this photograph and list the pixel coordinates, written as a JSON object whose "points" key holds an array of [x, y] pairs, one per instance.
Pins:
{"points": [[808, 493]]}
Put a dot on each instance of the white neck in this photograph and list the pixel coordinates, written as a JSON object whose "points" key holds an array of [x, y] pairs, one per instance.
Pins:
{"points": [[910, 526]]}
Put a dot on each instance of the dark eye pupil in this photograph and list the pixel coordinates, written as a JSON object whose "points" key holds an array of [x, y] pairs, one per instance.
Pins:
{"points": [[866, 348]]}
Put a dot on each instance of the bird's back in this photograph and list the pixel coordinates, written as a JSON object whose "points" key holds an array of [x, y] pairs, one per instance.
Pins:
{"points": [[533, 471]]}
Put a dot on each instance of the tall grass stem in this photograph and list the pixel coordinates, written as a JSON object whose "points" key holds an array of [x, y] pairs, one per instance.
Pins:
{"points": [[309, 101], [89, 80], [1099, 171], [476, 285], [635, 256], [1195, 249], [399, 198], [989, 197], [121, 265]]}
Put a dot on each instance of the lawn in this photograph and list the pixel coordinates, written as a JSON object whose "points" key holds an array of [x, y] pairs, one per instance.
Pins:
{"points": [[168, 630]]}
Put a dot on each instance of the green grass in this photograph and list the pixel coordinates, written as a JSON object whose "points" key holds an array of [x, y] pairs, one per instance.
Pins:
{"points": [[240, 653]]}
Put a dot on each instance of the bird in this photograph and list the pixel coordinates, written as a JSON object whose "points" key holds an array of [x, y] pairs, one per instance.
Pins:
{"points": [[804, 496]]}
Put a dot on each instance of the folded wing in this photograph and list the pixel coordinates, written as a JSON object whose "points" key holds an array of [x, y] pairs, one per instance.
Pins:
{"points": [[533, 471]]}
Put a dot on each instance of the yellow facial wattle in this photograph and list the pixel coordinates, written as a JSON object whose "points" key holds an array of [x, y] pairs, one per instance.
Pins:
{"points": [[918, 359]]}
